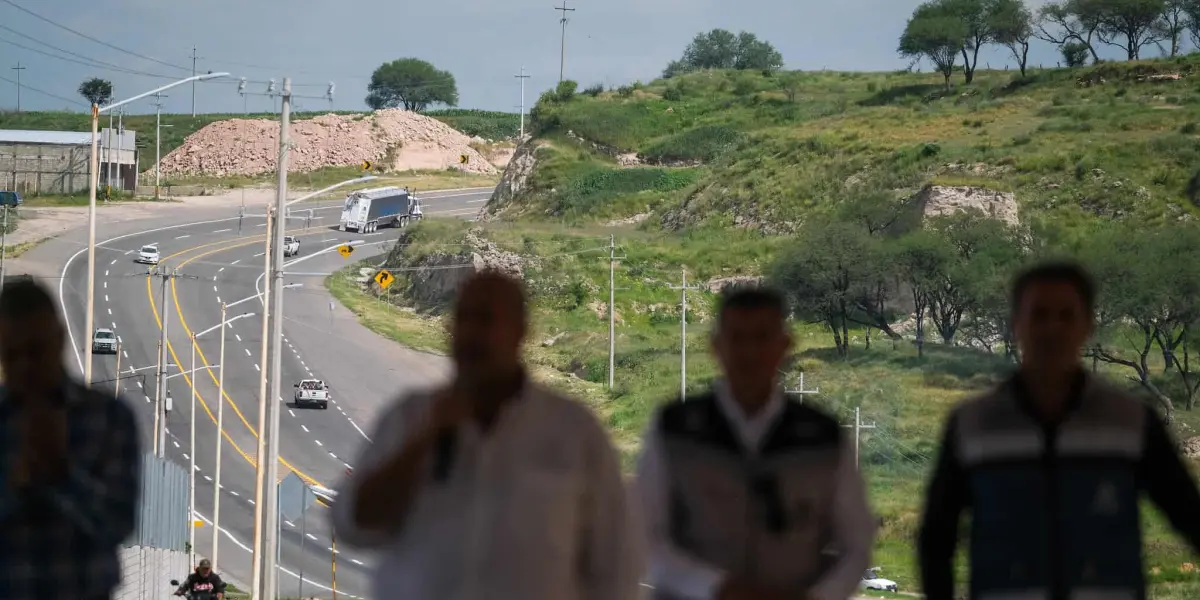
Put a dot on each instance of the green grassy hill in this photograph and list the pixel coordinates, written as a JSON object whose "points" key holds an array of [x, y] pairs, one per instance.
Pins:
{"points": [[486, 124], [772, 150], [713, 171]]}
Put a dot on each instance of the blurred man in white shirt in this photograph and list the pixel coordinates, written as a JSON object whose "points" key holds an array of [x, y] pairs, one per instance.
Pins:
{"points": [[492, 487], [749, 494]]}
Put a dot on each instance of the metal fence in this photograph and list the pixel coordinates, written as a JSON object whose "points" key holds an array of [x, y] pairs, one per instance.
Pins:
{"points": [[163, 517]]}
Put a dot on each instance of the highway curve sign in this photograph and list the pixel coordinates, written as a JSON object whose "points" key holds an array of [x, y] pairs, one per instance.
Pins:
{"points": [[366, 165], [345, 250], [464, 159], [384, 279]]}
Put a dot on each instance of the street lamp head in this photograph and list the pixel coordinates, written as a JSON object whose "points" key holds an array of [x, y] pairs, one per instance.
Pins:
{"points": [[211, 75]]}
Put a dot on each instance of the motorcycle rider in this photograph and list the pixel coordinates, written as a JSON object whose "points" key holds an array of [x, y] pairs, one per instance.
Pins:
{"points": [[203, 584]]}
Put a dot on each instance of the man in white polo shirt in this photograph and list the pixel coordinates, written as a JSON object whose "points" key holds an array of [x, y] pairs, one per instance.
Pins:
{"points": [[492, 487]]}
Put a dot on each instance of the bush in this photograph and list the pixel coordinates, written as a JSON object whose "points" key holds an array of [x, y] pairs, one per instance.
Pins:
{"points": [[672, 94], [590, 192], [594, 90], [702, 144], [565, 91]]}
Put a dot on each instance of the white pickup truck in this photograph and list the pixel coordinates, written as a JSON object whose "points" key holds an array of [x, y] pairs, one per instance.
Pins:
{"points": [[291, 246], [312, 392]]}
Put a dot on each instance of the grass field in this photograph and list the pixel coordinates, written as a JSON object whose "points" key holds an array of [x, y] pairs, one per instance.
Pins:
{"points": [[905, 397]]}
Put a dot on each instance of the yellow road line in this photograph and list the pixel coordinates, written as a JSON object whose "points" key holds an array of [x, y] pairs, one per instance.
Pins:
{"points": [[170, 348]]}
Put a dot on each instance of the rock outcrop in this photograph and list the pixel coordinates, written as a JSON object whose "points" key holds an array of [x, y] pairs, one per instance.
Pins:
{"points": [[515, 178], [433, 285], [936, 200]]}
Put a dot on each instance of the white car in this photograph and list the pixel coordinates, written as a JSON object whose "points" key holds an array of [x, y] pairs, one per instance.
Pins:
{"points": [[291, 246], [872, 581], [312, 392], [147, 255]]}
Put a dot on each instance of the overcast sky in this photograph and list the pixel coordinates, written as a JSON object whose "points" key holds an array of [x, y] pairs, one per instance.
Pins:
{"points": [[484, 43]]}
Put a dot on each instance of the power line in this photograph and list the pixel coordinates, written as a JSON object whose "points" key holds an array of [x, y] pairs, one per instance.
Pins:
{"points": [[81, 60], [88, 37], [44, 93]]}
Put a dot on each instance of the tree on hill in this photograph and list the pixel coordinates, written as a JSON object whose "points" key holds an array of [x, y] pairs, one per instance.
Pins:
{"points": [[974, 16], [722, 49], [934, 35], [1192, 9], [410, 83], [1068, 22], [1131, 24], [1126, 24], [1011, 25], [97, 91], [1174, 24]]}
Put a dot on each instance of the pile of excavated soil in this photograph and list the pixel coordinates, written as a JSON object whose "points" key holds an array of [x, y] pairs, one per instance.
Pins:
{"points": [[395, 139]]}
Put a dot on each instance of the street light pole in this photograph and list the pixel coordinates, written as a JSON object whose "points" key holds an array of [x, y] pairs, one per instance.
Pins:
{"points": [[216, 520], [192, 463], [220, 425], [266, 492], [93, 181]]}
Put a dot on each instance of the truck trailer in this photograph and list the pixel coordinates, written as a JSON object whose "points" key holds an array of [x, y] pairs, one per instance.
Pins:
{"points": [[368, 210]]}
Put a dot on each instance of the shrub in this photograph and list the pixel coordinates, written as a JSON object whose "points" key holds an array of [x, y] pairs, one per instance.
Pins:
{"points": [[702, 143], [565, 91]]}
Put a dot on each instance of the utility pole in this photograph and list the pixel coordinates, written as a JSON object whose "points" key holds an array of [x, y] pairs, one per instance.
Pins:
{"points": [[858, 426], [18, 69], [194, 59], [683, 288], [801, 391], [160, 371], [612, 302], [522, 77], [157, 140], [109, 153], [266, 538], [562, 59]]}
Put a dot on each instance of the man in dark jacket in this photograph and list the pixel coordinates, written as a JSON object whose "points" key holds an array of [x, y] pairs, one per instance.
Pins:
{"points": [[203, 584], [749, 494], [1051, 465]]}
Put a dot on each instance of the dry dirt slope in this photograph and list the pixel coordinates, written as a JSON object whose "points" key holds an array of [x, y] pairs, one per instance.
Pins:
{"points": [[395, 139]]}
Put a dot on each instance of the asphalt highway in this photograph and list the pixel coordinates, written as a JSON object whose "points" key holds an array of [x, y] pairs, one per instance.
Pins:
{"points": [[221, 261]]}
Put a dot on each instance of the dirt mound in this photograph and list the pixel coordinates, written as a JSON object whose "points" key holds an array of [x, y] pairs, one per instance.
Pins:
{"points": [[395, 139]]}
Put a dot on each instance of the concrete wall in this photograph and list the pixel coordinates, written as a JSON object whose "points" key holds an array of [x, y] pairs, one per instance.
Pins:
{"points": [[33, 169], [43, 168]]}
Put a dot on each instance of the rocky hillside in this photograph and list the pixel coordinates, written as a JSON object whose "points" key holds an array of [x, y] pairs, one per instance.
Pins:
{"points": [[767, 152]]}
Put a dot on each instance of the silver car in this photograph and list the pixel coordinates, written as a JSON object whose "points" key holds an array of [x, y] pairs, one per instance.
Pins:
{"points": [[104, 341]]}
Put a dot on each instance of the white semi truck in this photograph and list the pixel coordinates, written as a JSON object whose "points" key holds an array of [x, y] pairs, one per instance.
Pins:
{"points": [[367, 210]]}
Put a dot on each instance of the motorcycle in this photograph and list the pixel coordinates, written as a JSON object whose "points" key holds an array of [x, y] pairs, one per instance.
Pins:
{"points": [[191, 595]]}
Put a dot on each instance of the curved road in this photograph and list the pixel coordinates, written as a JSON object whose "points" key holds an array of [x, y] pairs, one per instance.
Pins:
{"points": [[320, 340]]}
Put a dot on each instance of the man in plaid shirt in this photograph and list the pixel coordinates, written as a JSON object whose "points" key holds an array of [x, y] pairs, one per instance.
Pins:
{"points": [[70, 463]]}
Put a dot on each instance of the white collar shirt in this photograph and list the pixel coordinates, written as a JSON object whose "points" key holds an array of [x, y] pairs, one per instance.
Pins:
{"points": [[535, 509], [750, 429]]}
